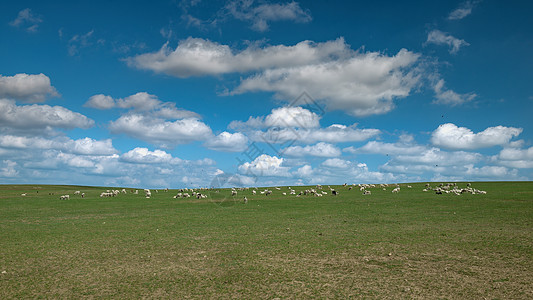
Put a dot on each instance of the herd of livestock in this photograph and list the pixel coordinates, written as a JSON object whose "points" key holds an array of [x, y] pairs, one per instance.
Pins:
{"points": [[317, 191]]}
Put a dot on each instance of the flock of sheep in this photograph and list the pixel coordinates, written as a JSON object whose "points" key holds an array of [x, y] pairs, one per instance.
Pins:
{"points": [[317, 191]]}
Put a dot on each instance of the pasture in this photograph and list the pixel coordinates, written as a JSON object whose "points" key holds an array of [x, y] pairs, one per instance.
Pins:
{"points": [[412, 244]]}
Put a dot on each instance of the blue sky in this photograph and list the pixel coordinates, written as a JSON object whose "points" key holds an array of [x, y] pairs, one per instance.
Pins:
{"points": [[177, 93]]}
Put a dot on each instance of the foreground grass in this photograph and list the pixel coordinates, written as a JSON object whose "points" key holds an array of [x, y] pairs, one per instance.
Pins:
{"points": [[407, 245]]}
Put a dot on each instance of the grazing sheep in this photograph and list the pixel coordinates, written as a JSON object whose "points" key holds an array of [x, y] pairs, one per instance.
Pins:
{"points": [[334, 192], [396, 190], [23, 195], [233, 193], [245, 200], [83, 195], [77, 192], [366, 192], [65, 197]]}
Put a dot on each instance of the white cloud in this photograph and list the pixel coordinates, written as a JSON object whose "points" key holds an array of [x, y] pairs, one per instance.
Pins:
{"points": [[452, 137], [145, 156], [199, 57], [39, 117], [462, 11], [261, 15], [85, 146], [27, 19], [320, 150], [141, 102], [265, 165], [449, 97], [27, 87], [81, 41], [438, 37], [335, 133], [281, 117], [515, 158], [159, 131], [306, 171], [362, 84], [359, 83], [336, 163], [299, 124], [229, 142], [100, 101], [375, 147], [7, 169], [437, 157]]}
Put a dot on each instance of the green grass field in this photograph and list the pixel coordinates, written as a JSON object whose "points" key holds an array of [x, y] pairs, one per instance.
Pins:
{"points": [[413, 244]]}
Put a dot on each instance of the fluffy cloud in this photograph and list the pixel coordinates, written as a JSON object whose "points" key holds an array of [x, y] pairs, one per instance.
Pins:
{"points": [[438, 37], [375, 147], [229, 142], [145, 156], [27, 87], [452, 137], [449, 97], [265, 165], [335, 133], [141, 102], [282, 117], [159, 131], [85, 146], [462, 11], [199, 57], [7, 169], [27, 19], [299, 124], [260, 15], [515, 158], [33, 118], [306, 171], [362, 84], [359, 83], [319, 150]]}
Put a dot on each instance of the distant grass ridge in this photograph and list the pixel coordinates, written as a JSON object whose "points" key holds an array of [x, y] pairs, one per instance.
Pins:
{"points": [[412, 244]]}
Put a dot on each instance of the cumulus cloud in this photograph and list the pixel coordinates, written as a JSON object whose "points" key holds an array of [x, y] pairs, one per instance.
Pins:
{"points": [[449, 97], [306, 171], [463, 10], [282, 117], [451, 136], [27, 19], [261, 15], [375, 147], [265, 165], [320, 150], [335, 133], [299, 124], [159, 131], [199, 57], [39, 117], [438, 37], [145, 156], [141, 102], [27, 87], [362, 84], [7, 169], [228, 142], [515, 158], [85, 146]]}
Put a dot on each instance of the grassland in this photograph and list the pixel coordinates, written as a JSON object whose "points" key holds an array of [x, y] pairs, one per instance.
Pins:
{"points": [[412, 244]]}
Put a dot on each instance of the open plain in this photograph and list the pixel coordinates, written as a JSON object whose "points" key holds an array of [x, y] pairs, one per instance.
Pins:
{"points": [[410, 244]]}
